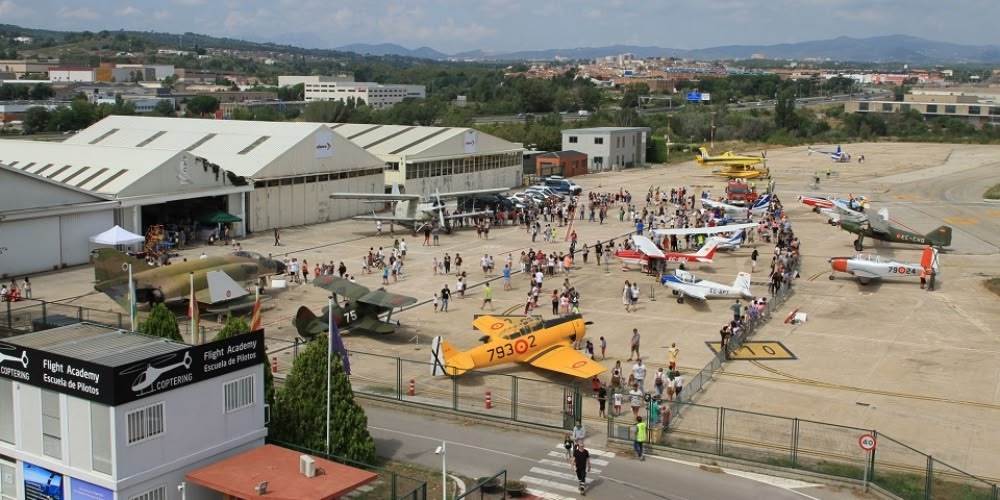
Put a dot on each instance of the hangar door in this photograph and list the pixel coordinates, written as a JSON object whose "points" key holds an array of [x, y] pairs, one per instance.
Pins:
{"points": [[75, 231], [29, 246]]}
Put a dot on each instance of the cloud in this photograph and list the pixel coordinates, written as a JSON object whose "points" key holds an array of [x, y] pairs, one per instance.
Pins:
{"points": [[9, 9], [159, 15], [128, 10], [342, 17], [190, 3], [79, 13]]}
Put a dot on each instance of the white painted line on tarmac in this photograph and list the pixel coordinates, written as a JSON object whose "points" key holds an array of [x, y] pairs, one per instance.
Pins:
{"points": [[546, 495], [545, 483], [777, 482]]}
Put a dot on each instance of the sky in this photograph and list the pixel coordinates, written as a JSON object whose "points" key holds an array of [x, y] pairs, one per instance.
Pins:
{"points": [[452, 26]]}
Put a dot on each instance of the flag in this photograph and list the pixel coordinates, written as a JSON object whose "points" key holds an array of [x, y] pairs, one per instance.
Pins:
{"points": [[193, 312], [337, 342], [255, 316]]}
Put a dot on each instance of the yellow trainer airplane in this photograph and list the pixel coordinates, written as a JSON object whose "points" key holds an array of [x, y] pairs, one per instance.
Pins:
{"points": [[736, 166], [541, 343]]}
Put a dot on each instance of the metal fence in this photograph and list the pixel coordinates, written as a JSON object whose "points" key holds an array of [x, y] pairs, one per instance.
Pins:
{"points": [[810, 446], [520, 399], [390, 484]]}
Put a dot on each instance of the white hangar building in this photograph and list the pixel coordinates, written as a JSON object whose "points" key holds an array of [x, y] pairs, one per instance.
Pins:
{"points": [[293, 167], [429, 159], [54, 197]]}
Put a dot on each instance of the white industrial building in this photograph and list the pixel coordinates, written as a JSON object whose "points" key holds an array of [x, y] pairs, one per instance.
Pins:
{"points": [[90, 412], [430, 159], [63, 75], [609, 148], [375, 95], [290, 80], [293, 167]]}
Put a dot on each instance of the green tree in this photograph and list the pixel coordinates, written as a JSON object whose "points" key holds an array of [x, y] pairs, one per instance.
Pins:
{"points": [[36, 119], [161, 323], [784, 111], [164, 108], [238, 326], [633, 93], [40, 91], [292, 92], [202, 105], [300, 408]]}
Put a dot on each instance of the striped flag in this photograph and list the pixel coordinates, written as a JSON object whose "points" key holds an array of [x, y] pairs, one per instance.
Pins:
{"points": [[255, 317]]}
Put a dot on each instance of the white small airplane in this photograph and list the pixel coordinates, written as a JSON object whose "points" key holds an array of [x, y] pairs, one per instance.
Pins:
{"points": [[417, 210], [645, 250], [684, 284], [758, 209], [733, 242], [842, 211], [866, 267]]}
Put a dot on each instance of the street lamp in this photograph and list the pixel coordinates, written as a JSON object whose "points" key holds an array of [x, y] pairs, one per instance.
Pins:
{"points": [[443, 451], [329, 356]]}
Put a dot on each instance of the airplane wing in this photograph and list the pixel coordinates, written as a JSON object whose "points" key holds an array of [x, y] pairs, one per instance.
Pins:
{"points": [[866, 274], [221, 288], [703, 230], [383, 298], [340, 286], [375, 196], [682, 288], [388, 218], [495, 325], [456, 194], [879, 222], [475, 213], [564, 359], [646, 246]]}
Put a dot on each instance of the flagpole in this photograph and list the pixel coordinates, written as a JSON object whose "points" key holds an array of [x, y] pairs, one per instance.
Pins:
{"points": [[193, 304], [131, 299], [329, 356]]}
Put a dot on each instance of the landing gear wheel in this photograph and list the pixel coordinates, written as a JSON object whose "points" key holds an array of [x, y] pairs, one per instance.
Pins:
{"points": [[680, 300], [832, 277], [674, 292], [858, 246]]}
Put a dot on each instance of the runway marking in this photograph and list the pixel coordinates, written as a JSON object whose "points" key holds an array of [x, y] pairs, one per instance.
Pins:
{"points": [[792, 379], [757, 349], [960, 220], [906, 196], [993, 213]]}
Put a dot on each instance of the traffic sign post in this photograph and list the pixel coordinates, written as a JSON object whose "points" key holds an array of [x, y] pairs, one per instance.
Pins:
{"points": [[868, 443]]}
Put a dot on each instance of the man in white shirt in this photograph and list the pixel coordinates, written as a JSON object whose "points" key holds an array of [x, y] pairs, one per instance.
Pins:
{"points": [[639, 371], [678, 385]]}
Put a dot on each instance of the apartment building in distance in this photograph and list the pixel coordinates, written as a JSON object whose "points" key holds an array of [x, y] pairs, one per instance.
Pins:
{"points": [[375, 95], [88, 411], [609, 148]]}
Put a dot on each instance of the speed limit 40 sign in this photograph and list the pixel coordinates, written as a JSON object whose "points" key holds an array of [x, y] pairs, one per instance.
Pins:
{"points": [[867, 442]]}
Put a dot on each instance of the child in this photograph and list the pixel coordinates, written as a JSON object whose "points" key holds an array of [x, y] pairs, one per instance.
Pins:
{"points": [[568, 444], [604, 347], [436, 303], [618, 404]]}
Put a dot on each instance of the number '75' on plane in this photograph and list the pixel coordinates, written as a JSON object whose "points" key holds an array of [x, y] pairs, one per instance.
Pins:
{"points": [[541, 343]]}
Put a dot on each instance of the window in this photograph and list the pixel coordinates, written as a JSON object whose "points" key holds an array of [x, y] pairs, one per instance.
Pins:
{"points": [[158, 493], [995, 110], [100, 438], [887, 107], [949, 108], [862, 106], [7, 411], [145, 423], [8, 487], [598, 140], [238, 394], [974, 110], [572, 139], [932, 108], [51, 425]]}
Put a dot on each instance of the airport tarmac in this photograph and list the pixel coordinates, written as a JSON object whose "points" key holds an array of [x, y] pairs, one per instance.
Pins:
{"points": [[918, 366]]}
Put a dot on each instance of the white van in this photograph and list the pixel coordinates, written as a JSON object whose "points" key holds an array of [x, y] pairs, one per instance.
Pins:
{"points": [[562, 185]]}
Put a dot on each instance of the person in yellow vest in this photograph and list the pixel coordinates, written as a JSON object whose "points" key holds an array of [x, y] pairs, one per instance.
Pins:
{"points": [[640, 437]]}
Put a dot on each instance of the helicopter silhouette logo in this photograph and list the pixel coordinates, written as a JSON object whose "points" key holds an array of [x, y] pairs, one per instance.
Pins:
{"points": [[23, 358], [149, 373]]}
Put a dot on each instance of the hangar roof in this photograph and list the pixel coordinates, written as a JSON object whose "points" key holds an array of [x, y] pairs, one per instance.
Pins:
{"points": [[241, 147], [104, 172], [415, 141]]}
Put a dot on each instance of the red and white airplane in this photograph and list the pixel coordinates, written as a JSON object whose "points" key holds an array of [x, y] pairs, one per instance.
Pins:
{"points": [[820, 202], [645, 249]]}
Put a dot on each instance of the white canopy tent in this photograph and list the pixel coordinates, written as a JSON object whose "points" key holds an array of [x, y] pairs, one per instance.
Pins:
{"points": [[117, 236]]}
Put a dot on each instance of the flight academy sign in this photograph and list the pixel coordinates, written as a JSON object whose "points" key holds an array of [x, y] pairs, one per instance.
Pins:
{"points": [[117, 385]]}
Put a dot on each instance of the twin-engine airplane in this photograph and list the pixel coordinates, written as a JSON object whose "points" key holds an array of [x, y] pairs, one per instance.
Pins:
{"points": [[645, 250], [866, 267], [839, 156], [546, 344], [363, 311], [416, 210], [758, 209], [736, 166], [879, 227], [684, 284], [215, 278]]}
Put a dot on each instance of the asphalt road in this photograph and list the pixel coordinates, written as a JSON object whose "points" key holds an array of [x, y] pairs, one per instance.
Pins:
{"points": [[478, 450]]}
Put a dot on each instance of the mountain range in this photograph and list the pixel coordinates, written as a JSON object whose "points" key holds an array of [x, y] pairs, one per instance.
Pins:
{"points": [[889, 48]]}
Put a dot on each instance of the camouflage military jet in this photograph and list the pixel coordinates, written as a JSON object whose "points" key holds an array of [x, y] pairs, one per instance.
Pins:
{"points": [[362, 312], [215, 278]]}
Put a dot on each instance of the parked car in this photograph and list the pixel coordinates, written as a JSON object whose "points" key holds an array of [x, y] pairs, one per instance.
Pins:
{"points": [[562, 185], [492, 202]]}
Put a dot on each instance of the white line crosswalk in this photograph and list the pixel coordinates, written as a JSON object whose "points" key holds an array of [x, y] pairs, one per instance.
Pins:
{"points": [[554, 476]]}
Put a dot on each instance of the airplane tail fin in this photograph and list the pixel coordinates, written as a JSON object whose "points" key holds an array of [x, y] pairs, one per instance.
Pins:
{"points": [[940, 237], [306, 323], [110, 265], [447, 360], [762, 202], [742, 284], [702, 155], [707, 251]]}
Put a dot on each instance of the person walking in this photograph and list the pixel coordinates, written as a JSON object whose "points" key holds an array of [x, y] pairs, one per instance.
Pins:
{"points": [[634, 345], [487, 296], [581, 459], [579, 433], [672, 353], [445, 296], [753, 260], [639, 372], [635, 400], [277, 238], [640, 438], [602, 400], [604, 348]]}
